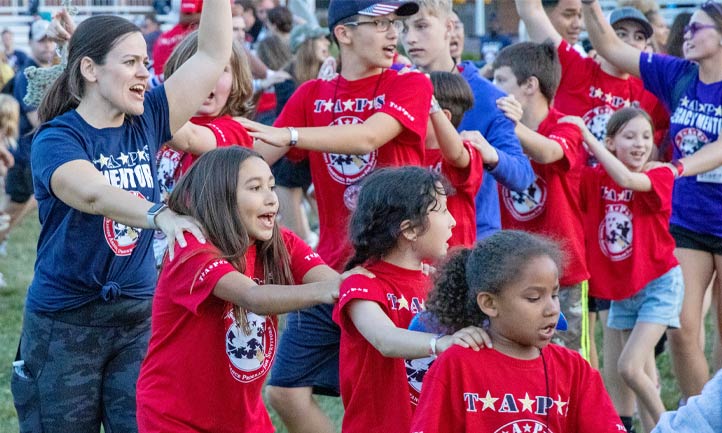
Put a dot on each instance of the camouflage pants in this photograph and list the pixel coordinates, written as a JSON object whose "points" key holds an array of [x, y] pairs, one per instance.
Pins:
{"points": [[81, 367], [570, 300]]}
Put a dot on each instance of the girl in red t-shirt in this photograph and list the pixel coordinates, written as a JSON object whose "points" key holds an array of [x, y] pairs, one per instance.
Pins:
{"points": [[400, 222], [508, 283], [631, 254], [214, 327]]}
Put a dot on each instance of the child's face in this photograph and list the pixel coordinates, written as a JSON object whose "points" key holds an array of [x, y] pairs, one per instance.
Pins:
{"points": [[426, 39], [320, 48], [216, 100], [632, 33], [525, 313], [432, 244], [505, 79], [633, 143], [456, 42], [566, 18], [256, 199], [372, 48]]}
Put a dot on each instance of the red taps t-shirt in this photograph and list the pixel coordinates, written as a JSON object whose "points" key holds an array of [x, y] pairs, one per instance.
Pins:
{"points": [[487, 391], [627, 232], [374, 389], [550, 205], [405, 97], [202, 371]]}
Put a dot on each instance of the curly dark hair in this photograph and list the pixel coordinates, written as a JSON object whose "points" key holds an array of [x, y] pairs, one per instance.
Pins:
{"points": [[490, 266], [388, 197]]}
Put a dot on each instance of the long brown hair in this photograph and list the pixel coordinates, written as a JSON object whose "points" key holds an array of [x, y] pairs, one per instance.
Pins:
{"points": [[208, 193], [239, 100], [94, 38], [306, 65]]}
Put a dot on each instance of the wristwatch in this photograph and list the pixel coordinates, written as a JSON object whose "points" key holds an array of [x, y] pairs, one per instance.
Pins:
{"points": [[153, 212]]}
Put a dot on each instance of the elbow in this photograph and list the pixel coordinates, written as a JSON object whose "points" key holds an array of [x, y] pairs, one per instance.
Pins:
{"points": [[366, 143], [386, 350]]}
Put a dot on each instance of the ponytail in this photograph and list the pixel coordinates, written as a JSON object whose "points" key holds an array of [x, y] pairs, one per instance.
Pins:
{"points": [[59, 99]]}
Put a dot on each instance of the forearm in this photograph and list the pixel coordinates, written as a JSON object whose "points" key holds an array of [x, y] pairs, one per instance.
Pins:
{"points": [[538, 147], [402, 343], [272, 298], [114, 203], [605, 40], [346, 139], [450, 142], [537, 22], [705, 159]]}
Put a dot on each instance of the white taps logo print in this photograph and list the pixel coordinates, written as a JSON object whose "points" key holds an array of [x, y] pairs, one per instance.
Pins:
{"points": [[528, 204], [615, 232], [251, 355]]}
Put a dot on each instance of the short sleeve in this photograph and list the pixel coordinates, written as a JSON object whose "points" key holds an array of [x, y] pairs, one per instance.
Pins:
{"points": [[575, 68], [360, 287], [229, 132], [410, 108], [660, 197], [594, 412], [303, 258], [193, 274], [53, 147], [569, 138], [470, 175]]}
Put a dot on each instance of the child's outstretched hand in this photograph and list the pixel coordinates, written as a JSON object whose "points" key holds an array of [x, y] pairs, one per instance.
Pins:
{"points": [[511, 108], [470, 337], [278, 137], [579, 122], [358, 270]]}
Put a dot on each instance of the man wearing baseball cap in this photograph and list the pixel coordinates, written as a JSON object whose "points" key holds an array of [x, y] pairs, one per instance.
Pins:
{"points": [[378, 119]]}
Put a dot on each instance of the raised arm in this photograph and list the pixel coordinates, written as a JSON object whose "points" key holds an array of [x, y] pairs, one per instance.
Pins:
{"points": [[614, 167], [537, 22], [707, 158], [450, 142], [605, 40], [190, 85]]}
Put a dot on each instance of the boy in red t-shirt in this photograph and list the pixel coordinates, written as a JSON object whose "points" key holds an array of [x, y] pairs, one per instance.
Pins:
{"points": [[367, 117], [457, 159], [530, 73], [593, 89]]}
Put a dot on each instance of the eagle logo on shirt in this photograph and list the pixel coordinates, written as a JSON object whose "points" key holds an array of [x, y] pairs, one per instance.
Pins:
{"points": [[416, 369], [596, 120], [121, 238], [349, 169], [615, 232], [528, 204], [250, 355], [690, 140]]}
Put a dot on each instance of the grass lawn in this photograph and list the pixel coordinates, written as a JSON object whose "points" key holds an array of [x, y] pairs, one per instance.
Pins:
{"points": [[18, 267]]}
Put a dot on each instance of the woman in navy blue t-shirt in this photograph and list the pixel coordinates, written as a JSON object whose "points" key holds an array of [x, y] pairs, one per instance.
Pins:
{"points": [[87, 316]]}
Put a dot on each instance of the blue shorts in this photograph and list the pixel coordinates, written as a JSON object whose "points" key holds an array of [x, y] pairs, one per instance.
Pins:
{"points": [[660, 301], [308, 352]]}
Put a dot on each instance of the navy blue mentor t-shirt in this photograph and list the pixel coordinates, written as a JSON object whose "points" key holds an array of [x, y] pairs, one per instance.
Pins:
{"points": [[696, 120], [83, 257]]}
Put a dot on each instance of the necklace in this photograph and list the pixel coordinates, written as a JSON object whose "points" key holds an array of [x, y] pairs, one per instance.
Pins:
{"points": [[335, 93]]}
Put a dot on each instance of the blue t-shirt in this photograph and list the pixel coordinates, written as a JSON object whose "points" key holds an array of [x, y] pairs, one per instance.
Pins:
{"points": [[83, 257], [695, 121], [513, 170]]}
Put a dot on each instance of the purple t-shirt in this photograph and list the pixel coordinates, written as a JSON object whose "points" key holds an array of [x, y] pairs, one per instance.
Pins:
{"points": [[696, 121]]}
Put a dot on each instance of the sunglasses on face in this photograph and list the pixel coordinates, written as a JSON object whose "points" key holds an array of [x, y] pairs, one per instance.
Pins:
{"points": [[695, 27]]}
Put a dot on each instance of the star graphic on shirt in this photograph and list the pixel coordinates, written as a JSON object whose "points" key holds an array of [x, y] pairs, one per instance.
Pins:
{"points": [[488, 402], [627, 103], [718, 111], [124, 158], [526, 403], [608, 97], [348, 105], [598, 93], [328, 105], [560, 404], [684, 101], [403, 303], [142, 156], [527, 428], [103, 160]]}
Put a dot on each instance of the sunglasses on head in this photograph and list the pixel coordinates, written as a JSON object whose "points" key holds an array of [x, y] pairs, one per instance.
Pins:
{"points": [[694, 27], [714, 5]]}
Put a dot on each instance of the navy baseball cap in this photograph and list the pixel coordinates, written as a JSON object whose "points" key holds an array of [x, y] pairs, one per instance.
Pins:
{"points": [[632, 14], [340, 9]]}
